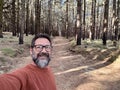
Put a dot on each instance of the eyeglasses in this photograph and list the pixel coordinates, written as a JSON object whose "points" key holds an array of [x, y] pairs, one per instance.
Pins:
{"points": [[39, 48]]}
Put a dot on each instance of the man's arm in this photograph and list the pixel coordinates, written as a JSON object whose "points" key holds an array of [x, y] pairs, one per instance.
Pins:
{"points": [[9, 82], [14, 81]]}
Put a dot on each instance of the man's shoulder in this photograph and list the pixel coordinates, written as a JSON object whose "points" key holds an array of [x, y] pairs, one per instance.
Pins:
{"points": [[20, 71]]}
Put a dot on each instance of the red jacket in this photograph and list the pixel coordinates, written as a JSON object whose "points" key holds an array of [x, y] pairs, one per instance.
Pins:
{"points": [[28, 78]]}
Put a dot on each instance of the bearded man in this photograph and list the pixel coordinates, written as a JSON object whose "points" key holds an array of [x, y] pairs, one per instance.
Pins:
{"points": [[34, 76]]}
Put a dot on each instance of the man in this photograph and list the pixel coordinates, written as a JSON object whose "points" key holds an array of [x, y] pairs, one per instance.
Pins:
{"points": [[35, 76]]}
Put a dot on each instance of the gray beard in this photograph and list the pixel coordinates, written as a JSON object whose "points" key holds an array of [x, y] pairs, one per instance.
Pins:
{"points": [[41, 63]]}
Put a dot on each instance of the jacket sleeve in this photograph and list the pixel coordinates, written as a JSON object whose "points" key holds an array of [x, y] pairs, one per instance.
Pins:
{"points": [[13, 81], [9, 82]]}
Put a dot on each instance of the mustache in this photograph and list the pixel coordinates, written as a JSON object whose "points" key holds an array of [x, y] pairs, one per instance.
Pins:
{"points": [[43, 54]]}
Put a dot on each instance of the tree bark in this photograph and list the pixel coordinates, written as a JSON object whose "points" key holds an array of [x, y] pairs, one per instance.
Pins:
{"points": [[67, 32], [17, 26], [27, 18], [13, 17], [37, 16], [93, 19], [22, 22], [1, 11], [118, 14], [49, 29], [105, 23], [84, 23], [79, 21]]}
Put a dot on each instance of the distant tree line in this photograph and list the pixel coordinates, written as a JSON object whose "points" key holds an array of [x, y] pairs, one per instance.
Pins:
{"points": [[83, 19]]}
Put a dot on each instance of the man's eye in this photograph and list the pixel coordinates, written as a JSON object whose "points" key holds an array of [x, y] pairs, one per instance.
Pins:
{"points": [[38, 46], [48, 47]]}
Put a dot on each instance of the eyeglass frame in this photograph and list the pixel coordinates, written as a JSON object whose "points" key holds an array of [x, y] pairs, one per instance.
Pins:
{"points": [[43, 46]]}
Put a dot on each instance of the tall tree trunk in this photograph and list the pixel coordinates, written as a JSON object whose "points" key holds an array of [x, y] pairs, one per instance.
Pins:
{"points": [[118, 18], [1, 11], [79, 21], [101, 24], [32, 30], [105, 22], [22, 21], [17, 26], [67, 32], [40, 30], [13, 17], [84, 23], [49, 29], [93, 19], [73, 30], [27, 18], [116, 15], [97, 22], [37, 16], [114, 21]]}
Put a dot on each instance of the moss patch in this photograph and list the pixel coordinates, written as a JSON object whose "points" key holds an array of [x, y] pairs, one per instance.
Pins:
{"points": [[9, 52]]}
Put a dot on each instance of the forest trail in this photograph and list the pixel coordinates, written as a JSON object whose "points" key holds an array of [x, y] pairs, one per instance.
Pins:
{"points": [[74, 71]]}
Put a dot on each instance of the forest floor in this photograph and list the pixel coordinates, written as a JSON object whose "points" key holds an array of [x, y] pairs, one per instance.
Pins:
{"points": [[88, 69]]}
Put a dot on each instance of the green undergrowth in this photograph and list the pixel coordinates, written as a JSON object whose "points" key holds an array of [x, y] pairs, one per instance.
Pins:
{"points": [[93, 44], [95, 49], [9, 52], [9, 45], [2, 59]]}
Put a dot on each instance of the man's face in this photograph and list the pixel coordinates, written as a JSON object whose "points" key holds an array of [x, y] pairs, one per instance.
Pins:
{"points": [[41, 52]]}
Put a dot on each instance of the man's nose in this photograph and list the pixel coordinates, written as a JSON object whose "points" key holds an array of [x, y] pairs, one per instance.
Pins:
{"points": [[43, 49]]}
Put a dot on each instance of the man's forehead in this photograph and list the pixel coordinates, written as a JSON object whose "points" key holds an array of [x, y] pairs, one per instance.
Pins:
{"points": [[42, 40]]}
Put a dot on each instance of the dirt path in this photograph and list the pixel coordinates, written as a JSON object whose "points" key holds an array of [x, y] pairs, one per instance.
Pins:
{"points": [[75, 72], [62, 62]]}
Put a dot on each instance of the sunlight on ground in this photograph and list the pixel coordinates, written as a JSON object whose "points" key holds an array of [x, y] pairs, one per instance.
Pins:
{"points": [[62, 52], [105, 78], [85, 68], [61, 44], [72, 70], [90, 86], [72, 56], [110, 69], [116, 63]]}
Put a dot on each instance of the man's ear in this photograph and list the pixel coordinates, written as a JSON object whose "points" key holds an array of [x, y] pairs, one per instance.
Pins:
{"points": [[31, 50]]}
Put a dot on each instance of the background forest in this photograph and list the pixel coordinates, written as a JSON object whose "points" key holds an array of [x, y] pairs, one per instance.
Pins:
{"points": [[82, 19]]}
